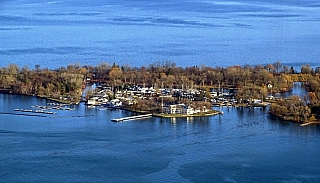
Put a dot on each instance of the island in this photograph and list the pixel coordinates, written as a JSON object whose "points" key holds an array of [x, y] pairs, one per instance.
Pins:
{"points": [[167, 90]]}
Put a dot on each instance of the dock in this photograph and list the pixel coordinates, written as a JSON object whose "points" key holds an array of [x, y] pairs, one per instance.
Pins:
{"points": [[132, 118], [309, 123]]}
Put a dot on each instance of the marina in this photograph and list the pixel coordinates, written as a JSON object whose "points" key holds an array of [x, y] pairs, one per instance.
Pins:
{"points": [[238, 143], [50, 108]]}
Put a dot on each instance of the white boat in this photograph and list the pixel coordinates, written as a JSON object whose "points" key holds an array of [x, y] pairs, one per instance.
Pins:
{"points": [[102, 108]]}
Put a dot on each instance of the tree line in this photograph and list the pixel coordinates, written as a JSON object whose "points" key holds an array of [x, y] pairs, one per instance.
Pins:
{"points": [[64, 84]]}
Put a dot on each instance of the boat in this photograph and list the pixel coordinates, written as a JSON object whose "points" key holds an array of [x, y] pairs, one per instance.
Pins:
{"points": [[102, 108], [117, 120]]}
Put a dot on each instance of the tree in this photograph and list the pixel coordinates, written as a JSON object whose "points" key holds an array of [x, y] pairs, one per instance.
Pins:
{"points": [[270, 68], [306, 69], [218, 78], [296, 107], [245, 75], [115, 75], [263, 77], [264, 92], [285, 69], [37, 67], [13, 69], [313, 98], [49, 89], [306, 112], [102, 70], [277, 65], [279, 110], [292, 71]]}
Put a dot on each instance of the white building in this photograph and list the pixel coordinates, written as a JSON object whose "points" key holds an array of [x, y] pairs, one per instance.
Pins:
{"points": [[179, 109]]}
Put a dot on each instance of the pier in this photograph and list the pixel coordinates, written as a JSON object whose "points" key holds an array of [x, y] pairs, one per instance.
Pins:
{"points": [[132, 118], [309, 123]]}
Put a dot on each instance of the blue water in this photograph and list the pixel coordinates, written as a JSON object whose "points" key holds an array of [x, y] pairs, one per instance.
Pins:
{"points": [[58, 33], [83, 145]]}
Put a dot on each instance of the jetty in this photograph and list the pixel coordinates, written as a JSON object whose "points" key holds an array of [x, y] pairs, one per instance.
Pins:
{"points": [[132, 118], [309, 123]]}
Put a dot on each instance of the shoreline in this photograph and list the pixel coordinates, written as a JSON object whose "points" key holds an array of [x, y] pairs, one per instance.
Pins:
{"points": [[214, 113], [43, 97], [301, 123], [201, 114], [162, 115]]}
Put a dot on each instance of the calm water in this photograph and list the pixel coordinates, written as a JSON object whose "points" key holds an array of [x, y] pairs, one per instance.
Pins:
{"points": [[83, 145], [57, 33]]}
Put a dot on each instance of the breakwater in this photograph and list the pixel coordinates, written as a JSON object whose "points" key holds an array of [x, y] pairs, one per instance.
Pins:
{"points": [[22, 114]]}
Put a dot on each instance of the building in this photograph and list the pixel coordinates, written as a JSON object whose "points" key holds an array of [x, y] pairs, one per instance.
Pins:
{"points": [[179, 109]]}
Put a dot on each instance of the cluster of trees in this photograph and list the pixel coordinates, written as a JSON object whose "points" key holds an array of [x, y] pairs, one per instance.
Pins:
{"points": [[168, 75], [305, 109], [61, 84], [314, 95], [249, 79], [293, 109]]}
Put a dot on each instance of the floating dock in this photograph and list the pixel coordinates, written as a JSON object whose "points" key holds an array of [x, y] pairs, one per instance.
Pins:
{"points": [[132, 118]]}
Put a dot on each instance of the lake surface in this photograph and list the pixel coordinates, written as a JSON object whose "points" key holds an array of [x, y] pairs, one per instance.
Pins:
{"points": [[213, 33], [83, 145]]}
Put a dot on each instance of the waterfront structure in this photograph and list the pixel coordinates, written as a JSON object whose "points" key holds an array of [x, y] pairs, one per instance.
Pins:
{"points": [[182, 109]]}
